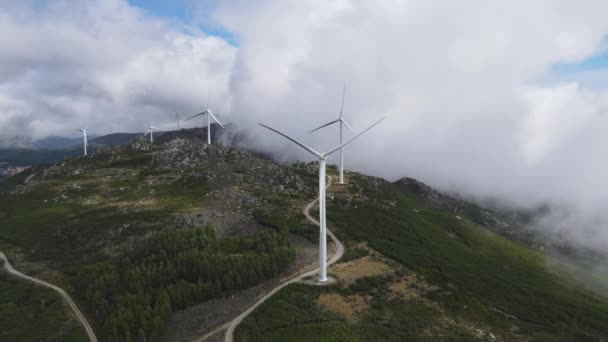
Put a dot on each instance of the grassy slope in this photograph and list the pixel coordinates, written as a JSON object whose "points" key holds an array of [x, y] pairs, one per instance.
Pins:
{"points": [[121, 201], [34, 313], [477, 272], [48, 226]]}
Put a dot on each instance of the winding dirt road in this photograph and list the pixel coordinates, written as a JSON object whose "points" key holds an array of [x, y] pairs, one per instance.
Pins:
{"points": [[9, 268], [229, 336]]}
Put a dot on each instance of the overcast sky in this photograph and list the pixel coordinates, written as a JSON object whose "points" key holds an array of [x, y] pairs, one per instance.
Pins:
{"points": [[490, 98]]}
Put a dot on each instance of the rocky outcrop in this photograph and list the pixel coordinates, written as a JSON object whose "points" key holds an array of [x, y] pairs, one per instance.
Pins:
{"points": [[140, 143]]}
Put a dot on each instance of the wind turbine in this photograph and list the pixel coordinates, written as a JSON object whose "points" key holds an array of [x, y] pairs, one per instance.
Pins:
{"points": [[178, 118], [342, 123], [322, 156], [209, 115], [84, 133], [151, 131]]}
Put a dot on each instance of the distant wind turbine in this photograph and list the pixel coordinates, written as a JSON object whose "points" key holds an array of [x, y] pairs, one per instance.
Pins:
{"points": [[322, 222], [208, 117], [342, 123], [178, 118], [151, 131], [85, 143]]}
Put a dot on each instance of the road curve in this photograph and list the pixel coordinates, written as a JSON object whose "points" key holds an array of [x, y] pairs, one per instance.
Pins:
{"points": [[229, 336], [28, 178], [9, 268]]}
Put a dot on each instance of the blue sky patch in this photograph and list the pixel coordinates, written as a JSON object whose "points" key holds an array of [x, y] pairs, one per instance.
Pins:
{"points": [[183, 11]]}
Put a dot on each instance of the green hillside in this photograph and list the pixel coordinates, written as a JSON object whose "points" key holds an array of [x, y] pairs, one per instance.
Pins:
{"points": [[137, 232], [451, 280]]}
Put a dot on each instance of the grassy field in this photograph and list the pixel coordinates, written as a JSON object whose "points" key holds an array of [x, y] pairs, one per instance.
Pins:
{"points": [[481, 281]]}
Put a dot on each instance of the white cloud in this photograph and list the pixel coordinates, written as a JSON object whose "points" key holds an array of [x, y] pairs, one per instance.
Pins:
{"points": [[460, 82], [553, 115], [89, 63]]}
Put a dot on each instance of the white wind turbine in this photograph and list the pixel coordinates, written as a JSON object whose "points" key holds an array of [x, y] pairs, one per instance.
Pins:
{"points": [[342, 123], [322, 222], [151, 131], [178, 118], [209, 115], [85, 143]]}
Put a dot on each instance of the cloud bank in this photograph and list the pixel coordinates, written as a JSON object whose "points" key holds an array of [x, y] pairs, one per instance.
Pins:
{"points": [[474, 104], [68, 64]]}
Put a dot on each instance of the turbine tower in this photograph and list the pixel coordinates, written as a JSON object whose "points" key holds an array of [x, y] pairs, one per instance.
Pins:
{"points": [[342, 123], [322, 156], [178, 118], [207, 114], [85, 143], [151, 131]]}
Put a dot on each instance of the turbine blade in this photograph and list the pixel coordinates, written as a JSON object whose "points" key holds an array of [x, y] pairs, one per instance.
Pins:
{"points": [[327, 124], [342, 106], [195, 115], [214, 118], [295, 141], [353, 138], [347, 125], [148, 131]]}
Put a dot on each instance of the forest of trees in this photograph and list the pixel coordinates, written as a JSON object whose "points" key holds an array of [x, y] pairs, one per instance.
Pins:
{"points": [[132, 297]]}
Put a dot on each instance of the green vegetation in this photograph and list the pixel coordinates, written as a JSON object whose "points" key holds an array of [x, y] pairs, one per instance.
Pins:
{"points": [[34, 313], [132, 297], [117, 228], [481, 270], [480, 281], [294, 312], [57, 221], [110, 228], [287, 222], [352, 253]]}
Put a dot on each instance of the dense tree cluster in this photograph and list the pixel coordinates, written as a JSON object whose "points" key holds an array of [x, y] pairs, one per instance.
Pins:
{"points": [[132, 297]]}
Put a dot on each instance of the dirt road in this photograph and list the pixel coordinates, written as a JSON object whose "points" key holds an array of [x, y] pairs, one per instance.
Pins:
{"points": [[9, 268], [229, 336]]}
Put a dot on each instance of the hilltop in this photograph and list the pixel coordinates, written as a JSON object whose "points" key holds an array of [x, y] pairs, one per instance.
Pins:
{"points": [[84, 216], [170, 240]]}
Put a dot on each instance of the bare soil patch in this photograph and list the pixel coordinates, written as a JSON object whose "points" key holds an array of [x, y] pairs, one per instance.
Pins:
{"points": [[350, 307], [411, 286], [349, 272]]}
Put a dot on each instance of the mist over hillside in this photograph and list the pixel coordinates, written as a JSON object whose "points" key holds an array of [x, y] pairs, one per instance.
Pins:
{"points": [[467, 110]]}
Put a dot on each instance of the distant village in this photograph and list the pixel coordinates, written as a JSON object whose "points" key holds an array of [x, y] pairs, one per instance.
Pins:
{"points": [[7, 171]]}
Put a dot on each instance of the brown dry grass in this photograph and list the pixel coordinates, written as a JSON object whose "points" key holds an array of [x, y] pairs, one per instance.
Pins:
{"points": [[411, 286], [349, 272], [350, 307]]}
